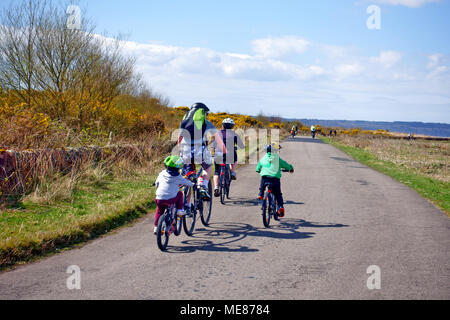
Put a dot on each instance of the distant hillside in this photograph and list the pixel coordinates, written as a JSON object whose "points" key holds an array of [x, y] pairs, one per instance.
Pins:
{"points": [[429, 129]]}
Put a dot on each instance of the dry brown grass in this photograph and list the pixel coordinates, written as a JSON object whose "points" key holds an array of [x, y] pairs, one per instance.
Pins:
{"points": [[428, 158]]}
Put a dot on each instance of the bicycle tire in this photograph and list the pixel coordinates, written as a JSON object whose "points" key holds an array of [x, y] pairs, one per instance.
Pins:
{"points": [[222, 186], [178, 225], [266, 210], [205, 215], [162, 233], [228, 182], [191, 212]]}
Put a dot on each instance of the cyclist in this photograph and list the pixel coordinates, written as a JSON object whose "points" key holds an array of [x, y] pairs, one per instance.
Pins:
{"points": [[269, 167], [313, 131], [232, 141], [293, 131], [194, 132], [168, 188]]}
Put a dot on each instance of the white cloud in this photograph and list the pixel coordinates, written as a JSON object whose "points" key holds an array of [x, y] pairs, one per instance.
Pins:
{"points": [[436, 67], [347, 70], [328, 82], [387, 58], [279, 47], [434, 60], [407, 3]]}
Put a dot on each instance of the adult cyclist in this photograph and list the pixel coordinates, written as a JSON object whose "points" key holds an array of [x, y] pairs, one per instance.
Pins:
{"points": [[313, 131], [232, 141], [294, 130], [195, 130]]}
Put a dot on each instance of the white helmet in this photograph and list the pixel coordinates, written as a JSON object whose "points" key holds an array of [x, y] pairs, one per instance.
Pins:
{"points": [[228, 123]]}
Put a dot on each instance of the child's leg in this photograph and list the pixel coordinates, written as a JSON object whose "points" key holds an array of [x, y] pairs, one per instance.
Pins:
{"points": [[160, 208], [180, 201], [277, 192], [262, 186]]}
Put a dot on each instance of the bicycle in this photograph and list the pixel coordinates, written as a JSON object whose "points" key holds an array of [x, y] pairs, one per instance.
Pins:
{"points": [[224, 182], [168, 223], [194, 203], [269, 205]]}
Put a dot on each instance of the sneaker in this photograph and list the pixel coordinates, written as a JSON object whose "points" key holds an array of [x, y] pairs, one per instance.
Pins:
{"points": [[260, 198], [155, 230], [216, 193], [233, 176], [204, 193], [281, 212]]}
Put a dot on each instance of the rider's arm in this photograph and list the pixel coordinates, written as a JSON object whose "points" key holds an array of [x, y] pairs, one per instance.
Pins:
{"points": [[157, 181], [180, 138], [184, 182], [258, 167], [240, 144], [285, 165], [219, 141]]}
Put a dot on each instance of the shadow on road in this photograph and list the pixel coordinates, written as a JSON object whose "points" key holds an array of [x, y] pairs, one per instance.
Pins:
{"points": [[245, 202], [225, 237], [343, 159]]}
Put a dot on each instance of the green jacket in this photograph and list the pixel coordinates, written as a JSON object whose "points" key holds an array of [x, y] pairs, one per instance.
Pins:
{"points": [[271, 164]]}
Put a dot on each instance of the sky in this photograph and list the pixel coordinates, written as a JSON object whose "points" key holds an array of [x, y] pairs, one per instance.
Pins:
{"points": [[298, 59]]}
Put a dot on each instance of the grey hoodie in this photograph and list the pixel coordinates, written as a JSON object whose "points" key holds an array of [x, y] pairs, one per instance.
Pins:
{"points": [[168, 186]]}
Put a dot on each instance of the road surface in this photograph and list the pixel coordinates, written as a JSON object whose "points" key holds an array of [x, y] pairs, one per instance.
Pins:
{"points": [[342, 219]]}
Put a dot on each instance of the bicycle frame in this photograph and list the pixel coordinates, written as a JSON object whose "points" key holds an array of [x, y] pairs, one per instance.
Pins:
{"points": [[269, 206], [167, 224], [224, 182], [196, 205]]}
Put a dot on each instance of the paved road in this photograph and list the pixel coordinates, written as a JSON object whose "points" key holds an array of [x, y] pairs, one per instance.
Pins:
{"points": [[342, 217]]}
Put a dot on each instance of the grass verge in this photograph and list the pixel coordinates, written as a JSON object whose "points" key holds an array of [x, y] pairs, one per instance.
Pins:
{"points": [[32, 230], [438, 192]]}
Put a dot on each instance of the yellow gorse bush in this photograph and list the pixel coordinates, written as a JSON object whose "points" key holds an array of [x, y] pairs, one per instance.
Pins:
{"points": [[241, 121], [21, 117]]}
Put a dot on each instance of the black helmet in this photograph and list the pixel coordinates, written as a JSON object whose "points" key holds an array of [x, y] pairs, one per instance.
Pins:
{"points": [[200, 105], [269, 148]]}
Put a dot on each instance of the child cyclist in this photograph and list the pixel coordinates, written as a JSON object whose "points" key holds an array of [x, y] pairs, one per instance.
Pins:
{"points": [[231, 141], [269, 167], [168, 188]]}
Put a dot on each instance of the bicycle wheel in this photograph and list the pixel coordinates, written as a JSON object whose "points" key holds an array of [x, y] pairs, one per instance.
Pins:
{"points": [[266, 207], [205, 207], [162, 233], [191, 211], [227, 182], [275, 209], [178, 225], [222, 190]]}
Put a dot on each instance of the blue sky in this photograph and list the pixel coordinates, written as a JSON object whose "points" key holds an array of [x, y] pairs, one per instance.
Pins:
{"points": [[292, 58]]}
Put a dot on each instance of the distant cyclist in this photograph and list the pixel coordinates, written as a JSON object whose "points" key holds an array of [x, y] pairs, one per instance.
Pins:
{"points": [[194, 132], [269, 167], [294, 130], [232, 141], [313, 131]]}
